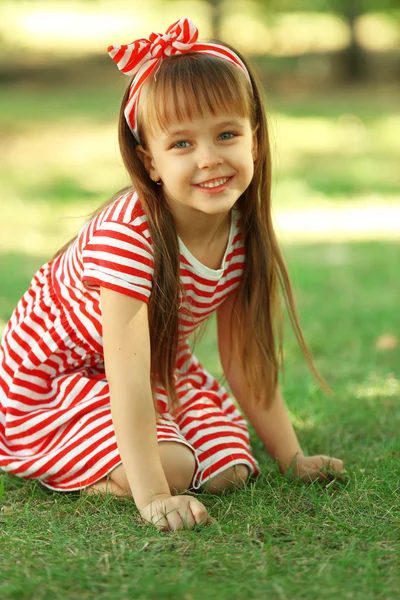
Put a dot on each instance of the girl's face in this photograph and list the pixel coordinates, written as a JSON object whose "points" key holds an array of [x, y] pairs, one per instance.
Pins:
{"points": [[204, 164]]}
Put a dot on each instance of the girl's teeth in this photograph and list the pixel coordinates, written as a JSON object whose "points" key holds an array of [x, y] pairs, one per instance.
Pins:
{"points": [[213, 184]]}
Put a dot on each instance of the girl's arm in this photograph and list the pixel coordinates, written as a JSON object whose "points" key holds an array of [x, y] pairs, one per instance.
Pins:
{"points": [[273, 426], [127, 362]]}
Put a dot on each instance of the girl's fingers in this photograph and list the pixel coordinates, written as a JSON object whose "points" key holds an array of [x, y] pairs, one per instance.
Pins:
{"points": [[336, 465], [311, 475], [187, 518], [332, 468], [158, 521], [166, 519], [199, 511], [321, 468], [177, 521], [333, 464]]}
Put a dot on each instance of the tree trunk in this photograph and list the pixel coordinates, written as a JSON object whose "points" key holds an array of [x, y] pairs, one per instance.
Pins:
{"points": [[353, 56], [216, 18]]}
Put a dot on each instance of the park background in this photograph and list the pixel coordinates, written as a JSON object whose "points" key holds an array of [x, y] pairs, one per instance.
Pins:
{"points": [[331, 73]]}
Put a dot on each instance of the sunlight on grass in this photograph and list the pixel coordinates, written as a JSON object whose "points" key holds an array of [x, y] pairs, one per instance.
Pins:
{"points": [[377, 32], [341, 221], [44, 227], [347, 134], [302, 423], [377, 388], [71, 146]]}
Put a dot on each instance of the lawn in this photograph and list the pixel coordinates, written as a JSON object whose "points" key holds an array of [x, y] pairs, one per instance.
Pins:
{"points": [[275, 539]]}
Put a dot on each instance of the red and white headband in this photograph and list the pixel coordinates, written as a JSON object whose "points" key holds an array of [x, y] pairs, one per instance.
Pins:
{"points": [[142, 57]]}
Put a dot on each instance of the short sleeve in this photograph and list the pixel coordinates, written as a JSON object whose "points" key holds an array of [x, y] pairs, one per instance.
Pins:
{"points": [[119, 257]]}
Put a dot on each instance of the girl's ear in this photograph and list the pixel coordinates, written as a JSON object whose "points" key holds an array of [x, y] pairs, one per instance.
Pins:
{"points": [[254, 149], [147, 161]]}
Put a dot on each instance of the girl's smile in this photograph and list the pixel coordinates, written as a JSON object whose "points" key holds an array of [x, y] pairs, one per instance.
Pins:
{"points": [[214, 186], [211, 156]]}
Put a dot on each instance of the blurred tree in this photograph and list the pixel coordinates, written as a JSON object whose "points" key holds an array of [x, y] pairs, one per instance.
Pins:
{"points": [[216, 18], [353, 59]]}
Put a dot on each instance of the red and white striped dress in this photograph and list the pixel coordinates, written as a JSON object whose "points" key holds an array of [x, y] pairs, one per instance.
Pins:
{"points": [[55, 418]]}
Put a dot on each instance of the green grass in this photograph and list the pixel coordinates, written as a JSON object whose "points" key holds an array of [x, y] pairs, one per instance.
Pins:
{"points": [[275, 539], [63, 102]]}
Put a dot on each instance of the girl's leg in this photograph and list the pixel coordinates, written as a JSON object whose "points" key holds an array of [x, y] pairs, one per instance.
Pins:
{"points": [[178, 463], [230, 479], [104, 486]]}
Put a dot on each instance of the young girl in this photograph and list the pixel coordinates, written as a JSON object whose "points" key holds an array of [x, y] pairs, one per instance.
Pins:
{"points": [[99, 389]]}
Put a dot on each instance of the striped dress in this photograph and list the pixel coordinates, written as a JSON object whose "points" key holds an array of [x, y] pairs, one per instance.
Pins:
{"points": [[55, 418]]}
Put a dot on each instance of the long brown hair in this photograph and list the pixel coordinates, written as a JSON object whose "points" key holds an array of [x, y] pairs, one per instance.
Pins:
{"points": [[183, 87]]}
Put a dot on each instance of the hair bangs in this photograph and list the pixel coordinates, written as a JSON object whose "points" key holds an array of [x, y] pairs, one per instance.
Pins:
{"points": [[190, 86]]}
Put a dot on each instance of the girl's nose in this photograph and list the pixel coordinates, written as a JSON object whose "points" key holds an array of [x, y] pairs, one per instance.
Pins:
{"points": [[209, 158]]}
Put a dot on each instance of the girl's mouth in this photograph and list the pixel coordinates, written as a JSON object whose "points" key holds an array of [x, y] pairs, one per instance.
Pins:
{"points": [[214, 186]]}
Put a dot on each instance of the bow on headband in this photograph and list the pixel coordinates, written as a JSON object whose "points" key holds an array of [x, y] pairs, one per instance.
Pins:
{"points": [[141, 58]]}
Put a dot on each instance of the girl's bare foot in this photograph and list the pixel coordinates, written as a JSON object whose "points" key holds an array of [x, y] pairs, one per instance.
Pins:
{"points": [[104, 487]]}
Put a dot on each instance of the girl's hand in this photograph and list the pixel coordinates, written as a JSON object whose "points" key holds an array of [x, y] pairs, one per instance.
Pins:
{"points": [[316, 468], [168, 512]]}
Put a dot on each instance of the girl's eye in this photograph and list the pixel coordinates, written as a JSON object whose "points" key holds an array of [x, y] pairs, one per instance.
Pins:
{"points": [[227, 135], [181, 144]]}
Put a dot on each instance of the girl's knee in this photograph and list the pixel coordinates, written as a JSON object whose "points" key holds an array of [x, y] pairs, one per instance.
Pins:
{"points": [[179, 465], [232, 478], [178, 462]]}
